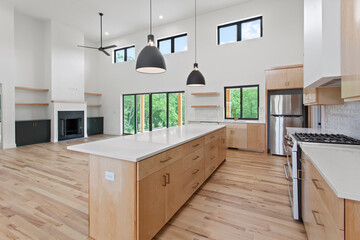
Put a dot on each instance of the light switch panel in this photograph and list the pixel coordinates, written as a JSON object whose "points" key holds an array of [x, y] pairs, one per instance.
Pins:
{"points": [[110, 176]]}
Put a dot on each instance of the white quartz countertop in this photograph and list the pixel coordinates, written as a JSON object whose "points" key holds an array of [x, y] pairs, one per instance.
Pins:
{"points": [[137, 147], [339, 165]]}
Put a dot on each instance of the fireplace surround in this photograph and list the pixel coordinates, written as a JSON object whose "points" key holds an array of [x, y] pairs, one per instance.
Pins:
{"points": [[70, 125]]}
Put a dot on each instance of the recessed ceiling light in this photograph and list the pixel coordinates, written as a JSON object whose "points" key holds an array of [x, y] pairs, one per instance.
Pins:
{"points": [[161, 17], [106, 33]]}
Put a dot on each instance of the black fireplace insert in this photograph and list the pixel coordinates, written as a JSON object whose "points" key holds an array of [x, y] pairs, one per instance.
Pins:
{"points": [[70, 125]]}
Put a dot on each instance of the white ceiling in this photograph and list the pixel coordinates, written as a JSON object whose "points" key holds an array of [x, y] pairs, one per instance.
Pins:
{"points": [[121, 17]]}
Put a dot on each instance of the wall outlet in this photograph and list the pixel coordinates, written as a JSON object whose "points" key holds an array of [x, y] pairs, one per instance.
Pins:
{"points": [[110, 176]]}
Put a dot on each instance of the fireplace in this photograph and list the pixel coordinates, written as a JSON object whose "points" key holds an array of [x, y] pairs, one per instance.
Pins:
{"points": [[70, 125]]}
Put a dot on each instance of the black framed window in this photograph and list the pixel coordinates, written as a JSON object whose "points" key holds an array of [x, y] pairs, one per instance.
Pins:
{"points": [[124, 54], [173, 44], [242, 102], [240, 31], [150, 111]]}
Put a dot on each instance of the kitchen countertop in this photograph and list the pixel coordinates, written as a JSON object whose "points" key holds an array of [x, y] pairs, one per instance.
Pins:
{"points": [[339, 165], [137, 147]]}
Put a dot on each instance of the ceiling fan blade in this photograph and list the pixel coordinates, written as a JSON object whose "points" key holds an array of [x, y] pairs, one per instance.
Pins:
{"points": [[88, 47], [108, 54], [112, 46]]}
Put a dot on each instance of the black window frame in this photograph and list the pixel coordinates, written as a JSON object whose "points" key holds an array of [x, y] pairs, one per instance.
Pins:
{"points": [[241, 102], [238, 24], [125, 53], [172, 40], [150, 109]]}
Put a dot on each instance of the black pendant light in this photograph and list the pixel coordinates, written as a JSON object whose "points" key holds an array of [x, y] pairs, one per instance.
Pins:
{"points": [[195, 79], [150, 59]]}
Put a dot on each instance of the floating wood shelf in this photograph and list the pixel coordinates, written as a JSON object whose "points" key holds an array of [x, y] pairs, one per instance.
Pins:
{"points": [[59, 101], [206, 94], [33, 89], [32, 104], [94, 105], [206, 106], [93, 94]]}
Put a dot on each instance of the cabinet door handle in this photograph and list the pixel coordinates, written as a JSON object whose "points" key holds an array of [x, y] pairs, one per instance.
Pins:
{"points": [[315, 181], [212, 147], [300, 173], [223, 141], [196, 185], [194, 146], [197, 157], [212, 158], [168, 159], [168, 178], [196, 171], [317, 219], [164, 177], [212, 137], [212, 168]]}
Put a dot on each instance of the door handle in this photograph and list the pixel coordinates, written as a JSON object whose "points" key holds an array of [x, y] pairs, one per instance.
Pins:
{"points": [[194, 146], [317, 219], [197, 184], [168, 178], [169, 158], [197, 157], [164, 184], [196, 171], [315, 181], [286, 174]]}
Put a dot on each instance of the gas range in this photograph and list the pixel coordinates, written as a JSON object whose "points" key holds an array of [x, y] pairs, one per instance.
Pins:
{"points": [[326, 138]]}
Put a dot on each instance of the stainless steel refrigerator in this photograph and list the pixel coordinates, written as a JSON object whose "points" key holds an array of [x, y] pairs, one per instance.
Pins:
{"points": [[285, 111]]}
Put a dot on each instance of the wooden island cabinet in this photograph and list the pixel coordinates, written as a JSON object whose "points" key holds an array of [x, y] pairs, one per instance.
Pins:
{"points": [[326, 216], [133, 200]]}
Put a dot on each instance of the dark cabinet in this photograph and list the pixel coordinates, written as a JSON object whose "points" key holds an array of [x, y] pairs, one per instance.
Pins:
{"points": [[32, 132], [95, 125]]}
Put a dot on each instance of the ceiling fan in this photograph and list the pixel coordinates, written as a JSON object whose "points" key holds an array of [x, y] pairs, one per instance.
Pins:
{"points": [[101, 48]]}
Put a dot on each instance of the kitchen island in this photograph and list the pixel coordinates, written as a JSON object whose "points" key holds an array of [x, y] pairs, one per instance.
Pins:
{"points": [[138, 182], [330, 191]]}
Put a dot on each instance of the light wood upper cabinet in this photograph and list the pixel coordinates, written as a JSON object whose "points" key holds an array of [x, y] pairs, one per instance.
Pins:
{"points": [[323, 96], [287, 77], [350, 50]]}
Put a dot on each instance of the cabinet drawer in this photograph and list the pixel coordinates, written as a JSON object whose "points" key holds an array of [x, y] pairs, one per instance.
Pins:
{"points": [[194, 145], [192, 159], [211, 156], [322, 224], [211, 137], [210, 168], [334, 205], [192, 173], [157, 162], [194, 185], [211, 146]]}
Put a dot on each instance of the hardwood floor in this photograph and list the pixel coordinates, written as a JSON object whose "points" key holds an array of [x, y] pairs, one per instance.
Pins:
{"points": [[43, 195]]}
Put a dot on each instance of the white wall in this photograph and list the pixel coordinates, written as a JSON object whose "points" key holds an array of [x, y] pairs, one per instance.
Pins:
{"points": [[7, 71], [240, 63], [30, 67], [67, 63]]}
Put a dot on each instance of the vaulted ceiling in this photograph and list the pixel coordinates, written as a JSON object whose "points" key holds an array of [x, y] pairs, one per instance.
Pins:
{"points": [[121, 17]]}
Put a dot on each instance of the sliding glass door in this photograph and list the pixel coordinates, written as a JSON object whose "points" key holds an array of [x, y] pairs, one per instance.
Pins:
{"points": [[150, 111]]}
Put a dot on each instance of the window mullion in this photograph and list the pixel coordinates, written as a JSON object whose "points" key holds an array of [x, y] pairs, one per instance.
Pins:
{"points": [[167, 110]]}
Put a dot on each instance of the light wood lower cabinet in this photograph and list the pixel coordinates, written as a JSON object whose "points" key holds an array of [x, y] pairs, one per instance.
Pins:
{"points": [[325, 216], [143, 196], [246, 136]]}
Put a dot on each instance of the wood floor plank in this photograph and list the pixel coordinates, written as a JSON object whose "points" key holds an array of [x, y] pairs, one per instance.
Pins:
{"points": [[44, 195]]}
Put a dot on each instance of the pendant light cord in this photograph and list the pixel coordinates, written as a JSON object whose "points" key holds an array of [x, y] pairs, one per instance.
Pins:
{"points": [[100, 29], [195, 36], [150, 16]]}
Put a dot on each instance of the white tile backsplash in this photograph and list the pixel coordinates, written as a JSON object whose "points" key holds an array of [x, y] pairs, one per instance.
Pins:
{"points": [[343, 119]]}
